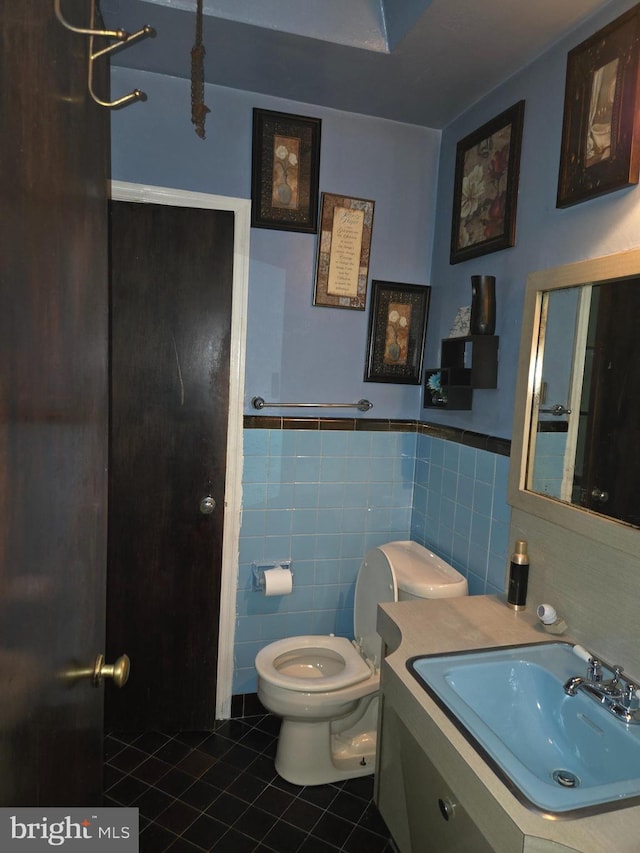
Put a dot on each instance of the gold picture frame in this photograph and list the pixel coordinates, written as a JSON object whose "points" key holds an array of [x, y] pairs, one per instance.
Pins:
{"points": [[344, 250]]}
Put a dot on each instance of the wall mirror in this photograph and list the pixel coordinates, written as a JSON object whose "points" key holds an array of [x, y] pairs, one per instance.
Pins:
{"points": [[576, 444]]}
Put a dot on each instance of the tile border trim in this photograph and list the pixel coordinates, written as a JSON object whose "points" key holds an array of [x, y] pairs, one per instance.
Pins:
{"points": [[477, 440]]}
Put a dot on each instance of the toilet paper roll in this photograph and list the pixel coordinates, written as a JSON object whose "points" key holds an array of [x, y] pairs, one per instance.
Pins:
{"points": [[278, 582]]}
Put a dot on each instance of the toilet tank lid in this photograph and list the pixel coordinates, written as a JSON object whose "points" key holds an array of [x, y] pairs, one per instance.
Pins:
{"points": [[422, 573]]}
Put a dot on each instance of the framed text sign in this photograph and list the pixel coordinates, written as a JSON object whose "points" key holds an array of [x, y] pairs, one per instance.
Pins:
{"points": [[344, 248]]}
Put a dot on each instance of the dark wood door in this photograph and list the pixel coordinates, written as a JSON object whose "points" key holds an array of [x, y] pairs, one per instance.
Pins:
{"points": [[53, 407], [171, 288], [611, 476]]}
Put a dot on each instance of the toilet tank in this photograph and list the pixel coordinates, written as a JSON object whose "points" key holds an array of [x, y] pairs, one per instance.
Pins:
{"points": [[422, 574]]}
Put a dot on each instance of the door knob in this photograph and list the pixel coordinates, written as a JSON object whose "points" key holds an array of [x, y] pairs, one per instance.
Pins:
{"points": [[118, 671], [599, 495], [207, 505]]}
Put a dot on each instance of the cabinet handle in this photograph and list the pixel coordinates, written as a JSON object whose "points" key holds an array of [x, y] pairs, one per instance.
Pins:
{"points": [[447, 809]]}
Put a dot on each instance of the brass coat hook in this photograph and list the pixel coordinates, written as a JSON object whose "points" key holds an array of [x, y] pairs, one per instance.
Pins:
{"points": [[123, 39]]}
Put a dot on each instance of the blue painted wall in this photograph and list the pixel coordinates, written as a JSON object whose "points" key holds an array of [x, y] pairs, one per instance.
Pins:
{"points": [[399, 166], [295, 351], [546, 237]]}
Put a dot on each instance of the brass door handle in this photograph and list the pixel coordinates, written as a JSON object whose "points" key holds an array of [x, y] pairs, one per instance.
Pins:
{"points": [[118, 671]]}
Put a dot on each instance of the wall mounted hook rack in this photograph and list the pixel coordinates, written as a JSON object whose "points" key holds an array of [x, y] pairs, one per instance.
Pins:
{"points": [[122, 39]]}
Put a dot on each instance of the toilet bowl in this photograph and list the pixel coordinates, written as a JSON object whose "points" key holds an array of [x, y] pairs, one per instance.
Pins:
{"points": [[325, 688]]}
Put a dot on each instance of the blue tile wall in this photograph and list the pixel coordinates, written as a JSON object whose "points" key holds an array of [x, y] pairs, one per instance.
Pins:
{"points": [[460, 510], [322, 498]]}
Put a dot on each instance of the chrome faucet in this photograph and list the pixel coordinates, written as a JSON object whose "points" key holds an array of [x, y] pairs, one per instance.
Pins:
{"points": [[618, 694]]}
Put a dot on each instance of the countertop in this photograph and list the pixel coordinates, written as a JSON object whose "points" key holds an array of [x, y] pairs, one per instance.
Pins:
{"points": [[411, 628]]}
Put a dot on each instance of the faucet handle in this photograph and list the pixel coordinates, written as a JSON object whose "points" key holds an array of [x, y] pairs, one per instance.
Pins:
{"points": [[594, 671], [617, 671]]}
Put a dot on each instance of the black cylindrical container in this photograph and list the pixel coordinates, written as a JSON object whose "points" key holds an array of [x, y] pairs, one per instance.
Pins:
{"points": [[483, 305], [518, 577]]}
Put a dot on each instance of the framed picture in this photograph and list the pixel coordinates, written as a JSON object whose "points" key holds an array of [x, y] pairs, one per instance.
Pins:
{"points": [[344, 249], [285, 171], [601, 113], [397, 329], [485, 193]]}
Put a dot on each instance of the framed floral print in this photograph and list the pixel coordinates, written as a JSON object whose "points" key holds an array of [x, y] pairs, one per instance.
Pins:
{"points": [[601, 128], [485, 193], [397, 328], [285, 172]]}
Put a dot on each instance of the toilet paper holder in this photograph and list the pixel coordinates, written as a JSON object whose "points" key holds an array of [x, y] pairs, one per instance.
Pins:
{"points": [[259, 569]]}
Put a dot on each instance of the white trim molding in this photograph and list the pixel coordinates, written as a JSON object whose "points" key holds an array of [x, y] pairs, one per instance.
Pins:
{"points": [[241, 207]]}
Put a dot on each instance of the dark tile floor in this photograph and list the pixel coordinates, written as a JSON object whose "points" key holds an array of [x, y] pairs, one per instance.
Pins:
{"points": [[219, 791]]}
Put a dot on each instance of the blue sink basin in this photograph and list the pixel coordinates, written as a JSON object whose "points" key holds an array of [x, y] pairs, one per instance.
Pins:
{"points": [[555, 752]]}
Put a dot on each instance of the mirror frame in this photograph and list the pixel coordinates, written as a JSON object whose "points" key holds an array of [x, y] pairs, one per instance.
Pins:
{"points": [[608, 531]]}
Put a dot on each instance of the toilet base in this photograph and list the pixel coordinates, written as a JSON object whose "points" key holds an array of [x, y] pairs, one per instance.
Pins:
{"points": [[320, 752]]}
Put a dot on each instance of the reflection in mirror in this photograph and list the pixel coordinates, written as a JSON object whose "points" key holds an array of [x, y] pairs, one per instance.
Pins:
{"points": [[584, 446]]}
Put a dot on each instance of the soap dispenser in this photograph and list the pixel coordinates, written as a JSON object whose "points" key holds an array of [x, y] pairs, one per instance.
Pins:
{"points": [[518, 577]]}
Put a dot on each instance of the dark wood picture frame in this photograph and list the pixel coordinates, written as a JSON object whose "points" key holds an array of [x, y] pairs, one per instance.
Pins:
{"points": [[485, 192], [344, 252], [397, 331], [285, 171], [601, 128]]}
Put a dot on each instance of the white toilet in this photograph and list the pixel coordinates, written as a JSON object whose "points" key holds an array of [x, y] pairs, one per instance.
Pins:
{"points": [[325, 688]]}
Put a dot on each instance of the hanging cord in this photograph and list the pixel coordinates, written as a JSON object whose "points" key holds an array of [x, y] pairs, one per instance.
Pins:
{"points": [[198, 108]]}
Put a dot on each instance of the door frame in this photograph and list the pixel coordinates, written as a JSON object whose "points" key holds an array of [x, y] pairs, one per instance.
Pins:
{"points": [[241, 207]]}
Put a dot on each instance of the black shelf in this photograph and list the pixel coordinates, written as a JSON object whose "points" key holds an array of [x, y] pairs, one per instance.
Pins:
{"points": [[466, 363], [478, 353]]}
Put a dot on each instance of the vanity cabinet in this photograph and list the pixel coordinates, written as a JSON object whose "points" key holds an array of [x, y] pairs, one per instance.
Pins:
{"points": [[424, 812], [419, 807], [425, 766]]}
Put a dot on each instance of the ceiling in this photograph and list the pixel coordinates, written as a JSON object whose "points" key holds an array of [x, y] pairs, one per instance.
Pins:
{"points": [[417, 61]]}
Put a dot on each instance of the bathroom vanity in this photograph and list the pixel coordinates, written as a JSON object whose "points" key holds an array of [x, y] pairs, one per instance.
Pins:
{"points": [[433, 789]]}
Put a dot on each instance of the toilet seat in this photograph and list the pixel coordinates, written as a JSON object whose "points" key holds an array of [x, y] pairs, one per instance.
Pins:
{"points": [[338, 654]]}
